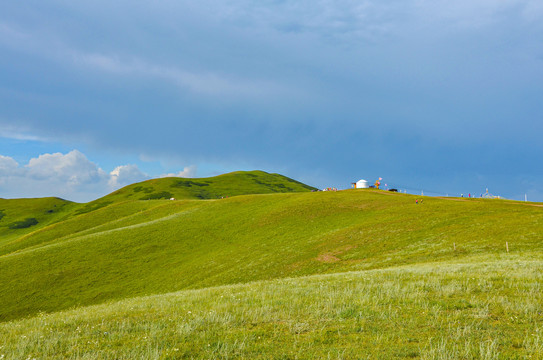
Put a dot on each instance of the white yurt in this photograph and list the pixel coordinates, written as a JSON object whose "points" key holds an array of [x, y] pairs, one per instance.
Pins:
{"points": [[362, 184]]}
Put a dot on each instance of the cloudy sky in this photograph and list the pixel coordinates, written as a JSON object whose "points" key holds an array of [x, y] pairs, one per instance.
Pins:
{"points": [[440, 96]]}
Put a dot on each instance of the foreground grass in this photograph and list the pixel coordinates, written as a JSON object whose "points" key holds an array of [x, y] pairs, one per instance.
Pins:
{"points": [[485, 307]]}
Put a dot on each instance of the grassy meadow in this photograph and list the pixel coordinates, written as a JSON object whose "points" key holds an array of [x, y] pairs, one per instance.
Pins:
{"points": [[478, 309], [284, 273]]}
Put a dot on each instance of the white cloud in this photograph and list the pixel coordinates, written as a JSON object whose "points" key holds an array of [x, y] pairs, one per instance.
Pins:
{"points": [[7, 165], [70, 176], [187, 172], [8, 168], [126, 174], [73, 168]]}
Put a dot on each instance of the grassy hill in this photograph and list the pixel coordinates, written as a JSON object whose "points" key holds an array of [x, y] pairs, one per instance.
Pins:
{"points": [[252, 273], [27, 222], [21, 216], [227, 185]]}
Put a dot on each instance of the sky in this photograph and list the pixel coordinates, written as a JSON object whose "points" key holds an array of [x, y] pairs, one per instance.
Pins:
{"points": [[440, 97]]}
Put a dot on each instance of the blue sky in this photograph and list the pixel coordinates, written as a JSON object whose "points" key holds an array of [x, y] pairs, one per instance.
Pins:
{"points": [[439, 96]]}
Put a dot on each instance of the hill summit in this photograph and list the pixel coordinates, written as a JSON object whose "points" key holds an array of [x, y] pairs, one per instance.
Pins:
{"points": [[226, 185]]}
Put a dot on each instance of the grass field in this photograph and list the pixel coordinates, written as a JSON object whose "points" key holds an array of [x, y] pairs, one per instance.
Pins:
{"points": [[14, 212], [474, 309], [348, 274]]}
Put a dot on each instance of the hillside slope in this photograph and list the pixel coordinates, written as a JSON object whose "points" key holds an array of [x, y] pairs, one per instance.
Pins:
{"points": [[27, 222], [134, 248], [22, 216]]}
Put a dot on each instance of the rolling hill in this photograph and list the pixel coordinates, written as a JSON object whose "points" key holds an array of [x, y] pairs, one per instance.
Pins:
{"points": [[227, 185], [276, 265], [21, 216]]}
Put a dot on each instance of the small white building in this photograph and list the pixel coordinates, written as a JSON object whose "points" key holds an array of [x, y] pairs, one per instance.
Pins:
{"points": [[361, 184]]}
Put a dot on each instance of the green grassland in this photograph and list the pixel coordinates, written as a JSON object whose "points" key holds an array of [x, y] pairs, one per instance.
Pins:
{"points": [[286, 273], [482, 308], [21, 218], [231, 184], [15, 213]]}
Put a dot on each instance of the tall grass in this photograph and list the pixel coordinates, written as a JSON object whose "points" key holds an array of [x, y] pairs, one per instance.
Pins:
{"points": [[483, 310]]}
